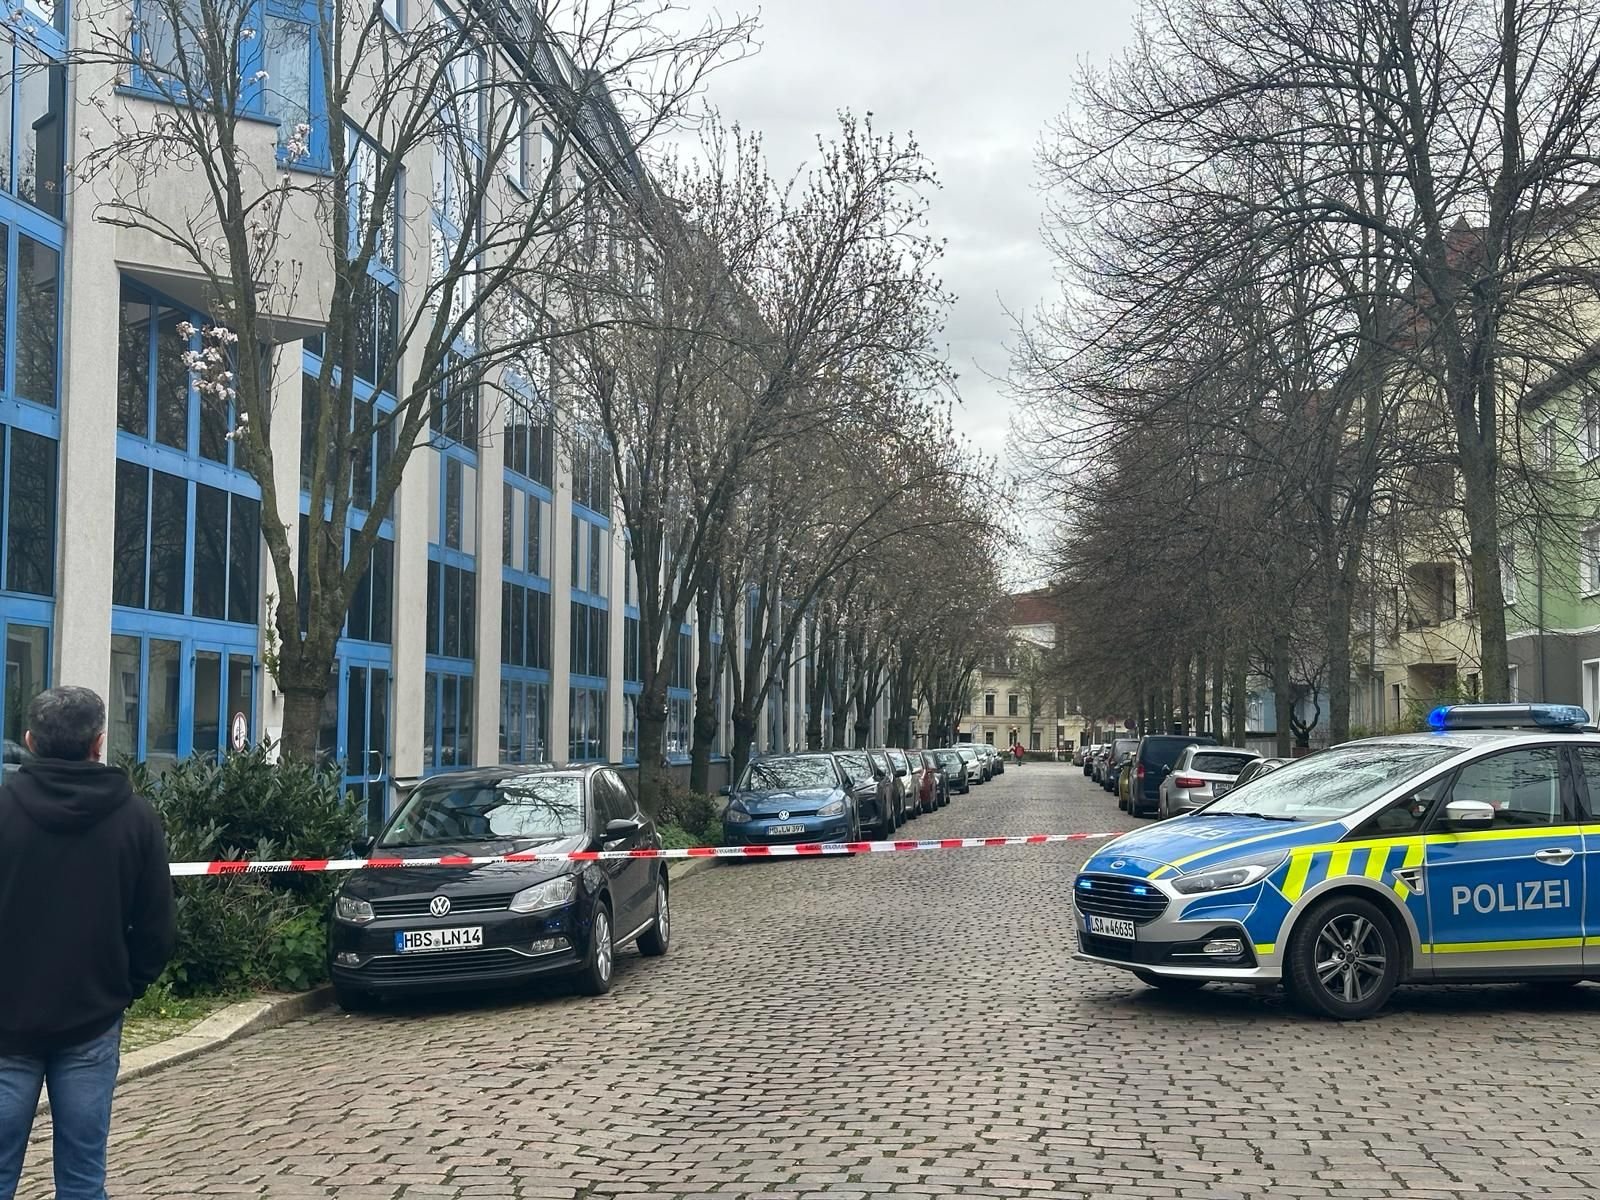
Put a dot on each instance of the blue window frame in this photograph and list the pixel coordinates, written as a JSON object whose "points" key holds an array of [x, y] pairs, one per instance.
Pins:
{"points": [[447, 718], [280, 68], [586, 720], [524, 716], [186, 587], [27, 646]]}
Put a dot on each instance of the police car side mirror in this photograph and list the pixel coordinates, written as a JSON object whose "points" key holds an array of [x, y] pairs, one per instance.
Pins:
{"points": [[1469, 812], [725, 790]]}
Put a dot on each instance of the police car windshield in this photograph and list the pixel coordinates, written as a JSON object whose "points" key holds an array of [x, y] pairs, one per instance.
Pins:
{"points": [[1333, 783]]}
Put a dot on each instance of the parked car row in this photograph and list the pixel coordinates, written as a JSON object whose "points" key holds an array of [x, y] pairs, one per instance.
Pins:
{"points": [[1170, 774], [409, 931], [842, 795]]}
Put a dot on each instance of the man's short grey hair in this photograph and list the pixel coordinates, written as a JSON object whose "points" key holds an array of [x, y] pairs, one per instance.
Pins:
{"points": [[65, 721]]}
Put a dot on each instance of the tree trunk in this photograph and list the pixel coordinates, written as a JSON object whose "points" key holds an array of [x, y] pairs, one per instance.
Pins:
{"points": [[707, 669], [744, 739], [1282, 693], [651, 720], [1337, 637], [1218, 686], [1239, 702], [1483, 529], [841, 724], [302, 719]]}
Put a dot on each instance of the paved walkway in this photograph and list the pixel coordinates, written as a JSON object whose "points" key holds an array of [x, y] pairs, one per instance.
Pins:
{"points": [[895, 1025]]}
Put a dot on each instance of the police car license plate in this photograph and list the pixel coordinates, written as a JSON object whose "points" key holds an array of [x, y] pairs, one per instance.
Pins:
{"points": [[1116, 927], [468, 938], [782, 830]]}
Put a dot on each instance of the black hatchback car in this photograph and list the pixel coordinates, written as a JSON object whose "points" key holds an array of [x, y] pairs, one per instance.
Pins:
{"points": [[411, 930]]}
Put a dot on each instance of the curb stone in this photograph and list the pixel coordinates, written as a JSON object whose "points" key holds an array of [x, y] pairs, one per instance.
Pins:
{"points": [[226, 1025], [685, 868]]}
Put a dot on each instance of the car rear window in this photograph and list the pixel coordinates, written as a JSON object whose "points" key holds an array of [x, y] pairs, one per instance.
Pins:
{"points": [[1165, 750], [1216, 763]]}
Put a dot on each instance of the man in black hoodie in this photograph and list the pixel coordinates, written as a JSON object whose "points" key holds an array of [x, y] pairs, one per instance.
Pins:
{"points": [[87, 909]]}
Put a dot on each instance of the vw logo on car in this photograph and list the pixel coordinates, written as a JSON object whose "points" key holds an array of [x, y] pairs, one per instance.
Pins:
{"points": [[439, 906]]}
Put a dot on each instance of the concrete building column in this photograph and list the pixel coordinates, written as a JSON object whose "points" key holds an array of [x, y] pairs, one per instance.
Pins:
{"points": [[491, 510], [560, 612], [287, 398], [87, 452]]}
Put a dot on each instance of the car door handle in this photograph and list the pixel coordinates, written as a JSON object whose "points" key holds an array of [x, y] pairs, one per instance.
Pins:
{"points": [[1556, 856]]}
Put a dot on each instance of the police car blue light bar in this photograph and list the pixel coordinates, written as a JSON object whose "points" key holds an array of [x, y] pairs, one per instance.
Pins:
{"points": [[1508, 716]]}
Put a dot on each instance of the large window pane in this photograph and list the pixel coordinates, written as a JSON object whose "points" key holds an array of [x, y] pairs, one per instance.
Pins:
{"points": [[355, 727], [27, 674], [168, 535], [448, 716], [382, 590], [452, 503], [161, 733], [172, 381], [287, 93], [128, 562], [210, 597], [31, 514], [534, 534], [244, 560], [38, 291], [123, 710], [41, 90], [133, 364], [207, 702]]}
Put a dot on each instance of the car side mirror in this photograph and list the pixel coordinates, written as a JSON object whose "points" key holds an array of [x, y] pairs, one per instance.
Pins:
{"points": [[725, 790], [616, 831], [1469, 812], [362, 847]]}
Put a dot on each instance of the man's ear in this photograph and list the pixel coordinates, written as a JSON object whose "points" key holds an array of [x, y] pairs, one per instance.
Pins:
{"points": [[97, 752], [27, 740]]}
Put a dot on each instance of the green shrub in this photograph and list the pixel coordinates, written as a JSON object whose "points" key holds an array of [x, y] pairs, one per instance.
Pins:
{"points": [[697, 815], [237, 932]]}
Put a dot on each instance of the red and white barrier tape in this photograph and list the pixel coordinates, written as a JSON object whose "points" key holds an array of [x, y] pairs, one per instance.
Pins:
{"points": [[247, 866]]}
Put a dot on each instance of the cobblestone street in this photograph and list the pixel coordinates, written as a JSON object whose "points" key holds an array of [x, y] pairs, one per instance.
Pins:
{"points": [[893, 1025]]}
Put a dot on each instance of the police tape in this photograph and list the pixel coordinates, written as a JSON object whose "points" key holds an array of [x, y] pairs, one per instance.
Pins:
{"points": [[247, 866]]}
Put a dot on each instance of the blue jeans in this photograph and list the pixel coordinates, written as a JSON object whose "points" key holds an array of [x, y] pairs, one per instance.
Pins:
{"points": [[80, 1079]]}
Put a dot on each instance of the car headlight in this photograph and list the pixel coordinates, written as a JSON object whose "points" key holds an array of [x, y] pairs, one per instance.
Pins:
{"points": [[552, 893], [348, 908], [736, 815], [1235, 875], [833, 808]]}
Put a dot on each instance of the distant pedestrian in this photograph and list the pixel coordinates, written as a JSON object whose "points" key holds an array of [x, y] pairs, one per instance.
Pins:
{"points": [[1018, 752], [87, 912]]}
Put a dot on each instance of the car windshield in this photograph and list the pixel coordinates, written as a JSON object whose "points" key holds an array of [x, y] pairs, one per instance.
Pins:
{"points": [[1211, 762], [967, 755], [523, 806], [1333, 783], [879, 761], [949, 758], [856, 764], [898, 759], [775, 773]]}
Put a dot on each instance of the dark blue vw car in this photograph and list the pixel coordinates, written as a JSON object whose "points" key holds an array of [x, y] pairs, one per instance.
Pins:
{"points": [[787, 798]]}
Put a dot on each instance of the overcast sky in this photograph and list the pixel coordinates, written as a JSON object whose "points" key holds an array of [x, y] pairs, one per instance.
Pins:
{"points": [[976, 84]]}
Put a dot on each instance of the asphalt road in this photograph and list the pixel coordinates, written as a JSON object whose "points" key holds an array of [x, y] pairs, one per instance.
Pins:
{"points": [[894, 1025]]}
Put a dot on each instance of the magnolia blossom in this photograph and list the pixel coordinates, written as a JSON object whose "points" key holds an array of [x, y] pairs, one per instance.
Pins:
{"points": [[261, 77], [246, 34]]}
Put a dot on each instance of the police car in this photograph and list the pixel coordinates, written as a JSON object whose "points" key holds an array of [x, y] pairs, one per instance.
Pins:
{"points": [[1471, 853]]}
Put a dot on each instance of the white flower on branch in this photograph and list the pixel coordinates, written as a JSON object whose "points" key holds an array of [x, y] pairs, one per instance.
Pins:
{"points": [[261, 77]]}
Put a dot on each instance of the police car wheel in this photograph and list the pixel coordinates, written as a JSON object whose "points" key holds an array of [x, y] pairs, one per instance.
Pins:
{"points": [[1170, 983], [1344, 959]]}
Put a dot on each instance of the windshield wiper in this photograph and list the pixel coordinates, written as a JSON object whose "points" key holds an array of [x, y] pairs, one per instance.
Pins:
{"points": [[1234, 812]]}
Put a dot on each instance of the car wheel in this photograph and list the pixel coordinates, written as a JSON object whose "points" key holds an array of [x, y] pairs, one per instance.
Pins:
{"points": [[653, 942], [1170, 983], [595, 979], [1344, 959], [354, 1000], [1122, 804]]}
